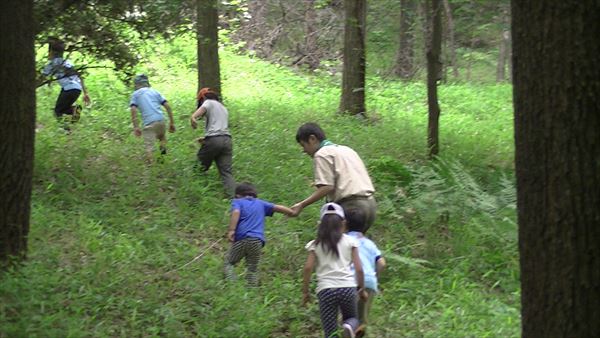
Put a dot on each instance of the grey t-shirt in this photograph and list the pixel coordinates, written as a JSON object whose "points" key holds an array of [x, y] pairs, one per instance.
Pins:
{"points": [[217, 118]]}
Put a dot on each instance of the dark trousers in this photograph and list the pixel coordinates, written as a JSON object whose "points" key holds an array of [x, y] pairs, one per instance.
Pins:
{"points": [[219, 149], [64, 103], [331, 301], [367, 204]]}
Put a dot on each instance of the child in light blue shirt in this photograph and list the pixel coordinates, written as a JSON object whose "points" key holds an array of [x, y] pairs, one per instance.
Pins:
{"points": [[372, 263]]}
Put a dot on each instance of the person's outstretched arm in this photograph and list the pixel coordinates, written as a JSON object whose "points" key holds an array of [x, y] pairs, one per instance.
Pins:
{"points": [[284, 210], [321, 192], [198, 113]]}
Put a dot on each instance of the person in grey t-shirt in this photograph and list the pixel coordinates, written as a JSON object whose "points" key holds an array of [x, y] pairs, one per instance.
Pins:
{"points": [[216, 143]]}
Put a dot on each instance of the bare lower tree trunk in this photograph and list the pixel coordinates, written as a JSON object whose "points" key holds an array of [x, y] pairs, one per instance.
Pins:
{"points": [[353, 79], [557, 159], [433, 75], [17, 125], [209, 74], [404, 67]]}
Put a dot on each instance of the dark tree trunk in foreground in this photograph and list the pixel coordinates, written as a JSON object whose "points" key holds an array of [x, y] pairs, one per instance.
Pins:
{"points": [[404, 67], [353, 79], [17, 126], [434, 47], [557, 148], [207, 30]]}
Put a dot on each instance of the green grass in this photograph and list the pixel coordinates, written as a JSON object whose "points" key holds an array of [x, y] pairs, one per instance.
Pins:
{"points": [[110, 236]]}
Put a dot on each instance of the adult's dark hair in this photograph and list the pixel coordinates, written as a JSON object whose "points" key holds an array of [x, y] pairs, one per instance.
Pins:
{"points": [[246, 189], [330, 233], [206, 93], [308, 129], [355, 219]]}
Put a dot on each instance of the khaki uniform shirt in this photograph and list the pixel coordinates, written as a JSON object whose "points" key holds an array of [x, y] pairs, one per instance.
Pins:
{"points": [[341, 167]]}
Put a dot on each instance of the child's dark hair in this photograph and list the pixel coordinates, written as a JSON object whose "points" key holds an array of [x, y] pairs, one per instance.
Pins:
{"points": [[206, 93], [355, 219], [308, 129], [330, 233], [245, 189], [56, 46]]}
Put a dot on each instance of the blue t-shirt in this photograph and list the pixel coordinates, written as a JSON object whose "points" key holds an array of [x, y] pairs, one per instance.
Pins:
{"points": [[252, 217], [148, 102], [64, 72], [369, 254]]}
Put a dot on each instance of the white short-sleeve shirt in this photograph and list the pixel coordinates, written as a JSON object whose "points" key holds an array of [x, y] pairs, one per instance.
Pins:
{"points": [[333, 271]]}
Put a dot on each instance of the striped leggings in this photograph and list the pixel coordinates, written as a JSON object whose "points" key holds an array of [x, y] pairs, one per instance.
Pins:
{"points": [[332, 300], [249, 249]]}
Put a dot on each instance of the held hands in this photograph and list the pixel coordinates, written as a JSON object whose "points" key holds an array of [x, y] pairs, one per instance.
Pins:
{"points": [[297, 209]]}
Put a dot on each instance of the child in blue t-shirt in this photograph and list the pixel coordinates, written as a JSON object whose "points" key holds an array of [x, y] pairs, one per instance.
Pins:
{"points": [[247, 230], [371, 260]]}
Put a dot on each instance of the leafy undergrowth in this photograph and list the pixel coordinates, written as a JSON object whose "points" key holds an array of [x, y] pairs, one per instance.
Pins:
{"points": [[111, 237]]}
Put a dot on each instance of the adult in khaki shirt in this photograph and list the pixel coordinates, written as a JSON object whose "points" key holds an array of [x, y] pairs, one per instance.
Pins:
{"points": [[340, 174]]}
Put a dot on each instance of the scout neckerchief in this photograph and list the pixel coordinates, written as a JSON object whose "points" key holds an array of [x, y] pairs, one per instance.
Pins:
{"points": [[326, 143]]}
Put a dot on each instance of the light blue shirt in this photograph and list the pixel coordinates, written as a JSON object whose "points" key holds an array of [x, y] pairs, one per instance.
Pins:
{"points": [[369, 254], [64, 72], [148, 101]]}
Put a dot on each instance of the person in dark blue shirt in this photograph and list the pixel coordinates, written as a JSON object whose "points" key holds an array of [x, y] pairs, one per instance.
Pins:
{"points": [[247, 230]]}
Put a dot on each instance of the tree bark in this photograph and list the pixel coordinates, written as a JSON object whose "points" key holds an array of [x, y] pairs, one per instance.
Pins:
{"points": [[353, 78], [17, 126], [502, 57], [209, 74], [434, 47], [404, 67], [451, 43], [557, 159]]}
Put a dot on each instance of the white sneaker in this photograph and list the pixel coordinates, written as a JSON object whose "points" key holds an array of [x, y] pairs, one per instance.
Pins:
{"points": [[348, 331]]}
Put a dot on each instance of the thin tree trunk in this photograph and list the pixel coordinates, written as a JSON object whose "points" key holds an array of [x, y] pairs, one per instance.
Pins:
{"points": [[17, 125], [207, 17], [404, 67], [451, 43], [353, 78], [502, 57], [557, 161], [310, 39], [433, 75]]}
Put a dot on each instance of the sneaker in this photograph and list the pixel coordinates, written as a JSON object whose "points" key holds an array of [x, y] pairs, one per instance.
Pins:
{"points": [[348, 331]]}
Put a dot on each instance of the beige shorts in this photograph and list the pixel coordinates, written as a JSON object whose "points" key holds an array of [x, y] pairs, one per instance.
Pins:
{"points": [[152, 132]]}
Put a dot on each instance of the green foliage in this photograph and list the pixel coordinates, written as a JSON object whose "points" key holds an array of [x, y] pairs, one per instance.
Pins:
{"points": [[111, 237]]}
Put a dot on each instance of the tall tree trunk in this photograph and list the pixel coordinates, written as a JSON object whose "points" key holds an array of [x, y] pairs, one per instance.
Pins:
{"points": [[451, 43], [17, 125], [404, 67], [353, 79], [557, 159], [434, 47], [207, 19]]}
